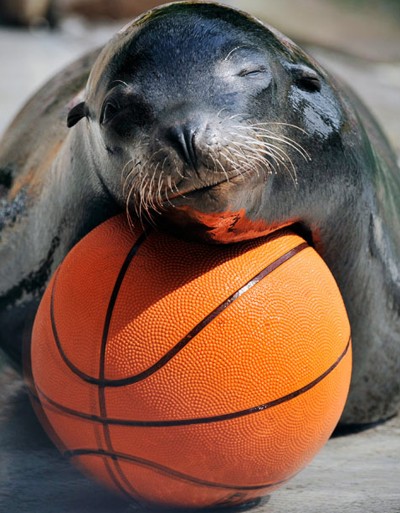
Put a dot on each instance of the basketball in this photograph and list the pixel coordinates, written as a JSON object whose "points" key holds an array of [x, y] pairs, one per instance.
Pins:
{"points": [[189, 375]]}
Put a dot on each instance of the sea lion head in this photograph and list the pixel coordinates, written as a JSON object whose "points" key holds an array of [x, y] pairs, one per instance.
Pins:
{"points": [[210, 123]]}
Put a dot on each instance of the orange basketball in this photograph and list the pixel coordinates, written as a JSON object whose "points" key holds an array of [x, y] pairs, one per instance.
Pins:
{"points": [[188, 375]]}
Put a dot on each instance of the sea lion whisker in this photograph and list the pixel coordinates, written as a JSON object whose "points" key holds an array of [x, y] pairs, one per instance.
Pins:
{"points": [[151, 195], [238, 116], [129, 176], [120, 82], [169, 182], [234, 50], [235, 163], [265, 163], [245, 158], [257, 127], [159, 188], [153, 156], [223, 169], [221, 111], [176, 189], [132, 178], [251, 141], [129, 216], [230, 142], [272, 149], [127, 206], [249, 137], [140, 192], [277, 154], [168, 175], [130, 161], [251, 154], [243, 166], [247, 162], [179, 173], [125, 181], [268, 134], [156, 193], [163, 165], [289, 125], [251, 144], [255, 151], [285, 159], [169, 189], [217, 163], [215, 170], [145, 199], [254, 145], [280, 123], [295, 145], [264, 133], [290, 142], [133, 168]]}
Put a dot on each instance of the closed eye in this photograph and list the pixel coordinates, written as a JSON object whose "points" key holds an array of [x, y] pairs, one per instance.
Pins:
{"points": [[252, 72]]}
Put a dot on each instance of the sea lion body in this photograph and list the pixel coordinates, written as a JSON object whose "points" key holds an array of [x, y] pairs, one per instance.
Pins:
{"points": [[39, 218], [203, 121]]}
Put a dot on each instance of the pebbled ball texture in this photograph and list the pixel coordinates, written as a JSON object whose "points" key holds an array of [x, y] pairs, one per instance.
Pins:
{"points": [[187, 375]]}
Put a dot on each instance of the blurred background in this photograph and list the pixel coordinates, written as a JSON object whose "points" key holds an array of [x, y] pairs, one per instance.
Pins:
{"points": [[357, 39]]}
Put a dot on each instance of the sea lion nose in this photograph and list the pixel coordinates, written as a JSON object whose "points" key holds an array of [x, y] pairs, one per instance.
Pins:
{"points": [[182, 137]]}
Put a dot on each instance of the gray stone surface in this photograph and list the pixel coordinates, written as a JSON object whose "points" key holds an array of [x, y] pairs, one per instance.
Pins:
{"points": [[353, 474]]}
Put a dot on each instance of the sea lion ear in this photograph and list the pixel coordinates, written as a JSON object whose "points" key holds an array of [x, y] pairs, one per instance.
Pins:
{"points": [[76, 114]]}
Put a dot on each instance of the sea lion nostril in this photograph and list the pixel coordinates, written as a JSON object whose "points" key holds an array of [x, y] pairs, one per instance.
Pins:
{"points": [[182, 139]]}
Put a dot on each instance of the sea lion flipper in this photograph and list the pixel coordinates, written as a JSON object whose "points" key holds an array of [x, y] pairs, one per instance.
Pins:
{"points": [[76, 114]]}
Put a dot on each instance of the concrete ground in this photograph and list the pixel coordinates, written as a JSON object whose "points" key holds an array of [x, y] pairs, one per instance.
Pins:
{"points": [[353, 474]]}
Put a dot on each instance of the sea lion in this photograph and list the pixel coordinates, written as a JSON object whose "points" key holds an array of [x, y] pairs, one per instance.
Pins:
{"points": [[202, 120]]}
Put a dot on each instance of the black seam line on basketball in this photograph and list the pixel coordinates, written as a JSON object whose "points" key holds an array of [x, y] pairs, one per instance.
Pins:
{"points": [[131, 254], [199, 327], [114, 480], [169, 471], [82, 375], [199, 420], [105, 460], [132, 494], [98, 430], [114, 469], [170, 354]]}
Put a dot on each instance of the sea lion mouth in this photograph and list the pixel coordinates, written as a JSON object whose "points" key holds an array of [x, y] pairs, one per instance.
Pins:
{"points": [[204, 189], [153, 197], [160, 177]]}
